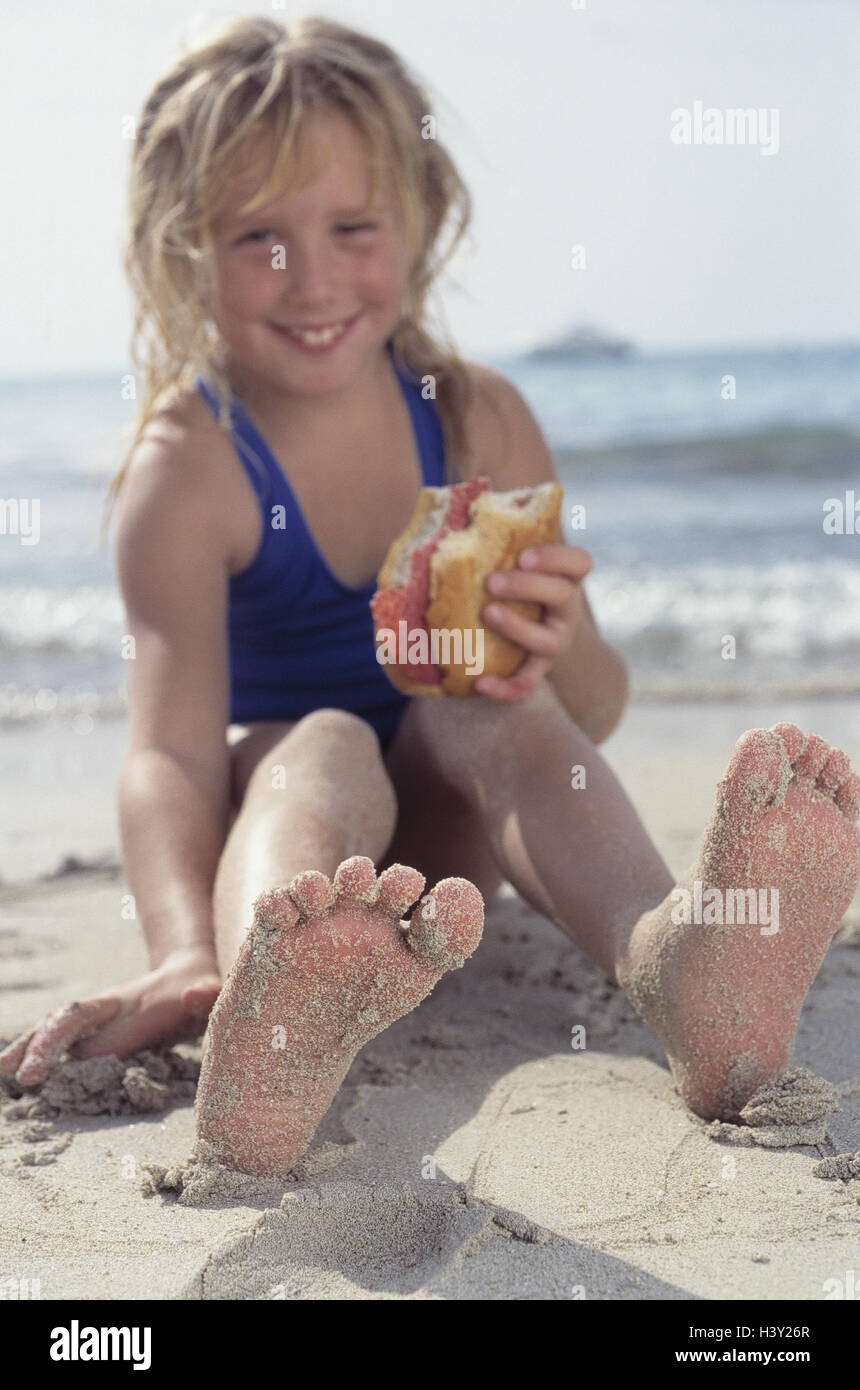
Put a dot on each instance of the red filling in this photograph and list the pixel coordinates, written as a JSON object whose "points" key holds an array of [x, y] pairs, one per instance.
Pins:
{"points": [[391, 604]]}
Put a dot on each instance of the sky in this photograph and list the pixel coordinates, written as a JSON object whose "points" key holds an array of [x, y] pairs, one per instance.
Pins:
{"points": [[560, 119]]}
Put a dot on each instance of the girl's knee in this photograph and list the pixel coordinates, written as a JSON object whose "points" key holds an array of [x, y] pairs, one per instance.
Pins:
{"points": [[329, 752], [459, 732], [326, 774], [328, 727]]}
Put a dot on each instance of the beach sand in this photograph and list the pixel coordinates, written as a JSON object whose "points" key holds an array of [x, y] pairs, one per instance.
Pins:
{"points": [[472, 1151]]}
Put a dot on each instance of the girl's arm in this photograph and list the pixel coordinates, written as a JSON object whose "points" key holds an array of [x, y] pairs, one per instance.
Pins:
{"points": [[172, 563], [588, 675], [590, 679], [171, 557]]}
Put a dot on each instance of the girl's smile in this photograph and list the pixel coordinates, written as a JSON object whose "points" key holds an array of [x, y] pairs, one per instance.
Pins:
{"points": [[317, 340]]}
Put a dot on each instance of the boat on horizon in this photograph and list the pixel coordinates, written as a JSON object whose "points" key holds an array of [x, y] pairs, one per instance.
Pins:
{"points": [[582, 342]]}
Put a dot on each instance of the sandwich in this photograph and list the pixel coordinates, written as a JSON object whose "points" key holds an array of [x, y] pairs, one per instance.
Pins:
{"points": [[430, 638]]}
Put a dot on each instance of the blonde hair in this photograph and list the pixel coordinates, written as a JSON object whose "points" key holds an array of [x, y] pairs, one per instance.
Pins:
{"points": [[257, 75]]}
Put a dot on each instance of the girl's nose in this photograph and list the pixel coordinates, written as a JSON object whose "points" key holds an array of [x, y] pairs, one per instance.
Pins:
{"points": [[307, 272]]}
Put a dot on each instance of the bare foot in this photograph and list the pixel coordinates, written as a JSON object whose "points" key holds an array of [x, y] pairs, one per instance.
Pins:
{"points": [[324, 968], [720, 973], [169, 1002]]}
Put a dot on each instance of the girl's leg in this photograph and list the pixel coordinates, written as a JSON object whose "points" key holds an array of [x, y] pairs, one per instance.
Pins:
{"points": [[718, 966], [309, 795], [530, 793], [439, 830], [318, 960]]}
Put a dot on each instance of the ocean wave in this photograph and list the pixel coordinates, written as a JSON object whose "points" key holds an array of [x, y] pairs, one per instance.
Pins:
{"points": [[787, 610], [85, 619], [758, 453], [79, 708], [653, 687], [784, 608], [82, 710], [794, 628], [658, 397]]}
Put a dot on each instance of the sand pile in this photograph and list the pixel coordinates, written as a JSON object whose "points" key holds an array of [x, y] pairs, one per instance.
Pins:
{"points": [[150, 1080], [791, 1109]]}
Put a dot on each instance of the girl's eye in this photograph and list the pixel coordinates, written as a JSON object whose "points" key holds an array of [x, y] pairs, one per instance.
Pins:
{"points": [[257, 237], [262, 235]]}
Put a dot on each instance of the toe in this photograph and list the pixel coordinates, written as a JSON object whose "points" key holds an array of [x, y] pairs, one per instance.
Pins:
{"points": [[312, 892], [74, 1023], [793, 738], [275, 910], [813, 757], [198, 1000], [446, 927], [356, 877], [10, 1057], [847, 797], [399, 887], [758, 774], [835, 771]]}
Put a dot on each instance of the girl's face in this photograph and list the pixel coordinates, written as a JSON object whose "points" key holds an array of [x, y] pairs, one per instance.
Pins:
{"points": [[309, 317]]}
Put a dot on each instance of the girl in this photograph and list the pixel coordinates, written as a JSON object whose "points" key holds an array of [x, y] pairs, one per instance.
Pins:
{"points": [[289, 197]]}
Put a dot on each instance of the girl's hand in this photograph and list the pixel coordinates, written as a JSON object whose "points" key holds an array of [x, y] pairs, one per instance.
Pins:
{"points": [[550, 575], [171, 1001]]}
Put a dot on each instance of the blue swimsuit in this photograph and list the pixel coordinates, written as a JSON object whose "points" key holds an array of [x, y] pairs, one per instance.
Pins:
{"points": [[299, 639]]}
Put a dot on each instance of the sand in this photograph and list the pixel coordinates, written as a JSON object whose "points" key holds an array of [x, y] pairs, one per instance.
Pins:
{"points": [[472, 1151]]}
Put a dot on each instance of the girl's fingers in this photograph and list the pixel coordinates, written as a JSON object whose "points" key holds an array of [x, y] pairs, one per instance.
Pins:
{"points": [[11, 1056], [550, 589], [500, 689], [512, 690], [540, 639], [52, 1038], [571, 560]]}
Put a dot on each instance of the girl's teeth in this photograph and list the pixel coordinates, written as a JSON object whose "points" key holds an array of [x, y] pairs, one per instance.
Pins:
{"points": [[316, 338]]}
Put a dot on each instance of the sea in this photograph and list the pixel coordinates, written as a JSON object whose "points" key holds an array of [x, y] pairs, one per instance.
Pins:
{"points": [[715, 491]]}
